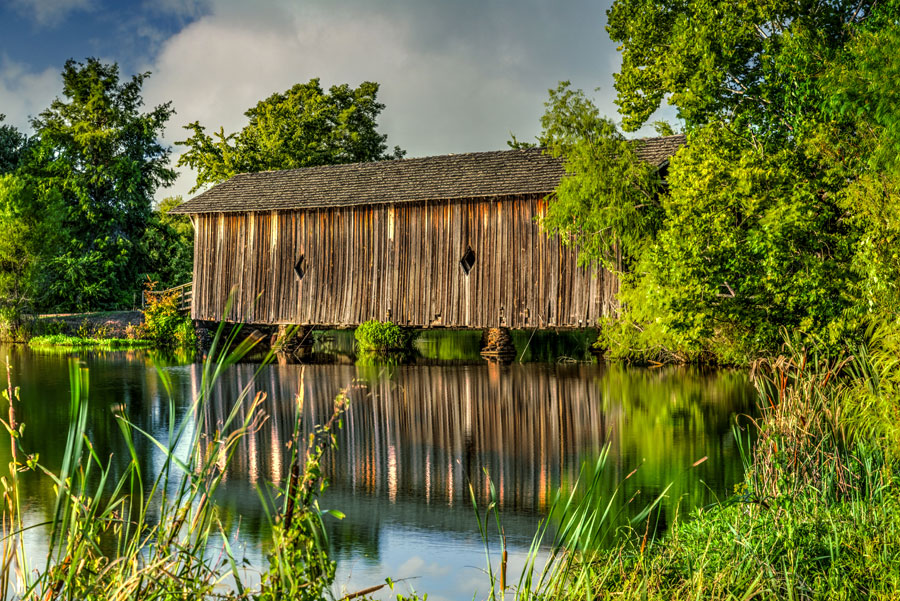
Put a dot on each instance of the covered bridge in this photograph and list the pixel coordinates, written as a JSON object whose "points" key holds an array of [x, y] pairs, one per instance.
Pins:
{"points": [[447, 241]]}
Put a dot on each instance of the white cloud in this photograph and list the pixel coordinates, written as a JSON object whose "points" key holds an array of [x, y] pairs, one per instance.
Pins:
{"points": [[24, 94], [455, 77], [50, 13]]}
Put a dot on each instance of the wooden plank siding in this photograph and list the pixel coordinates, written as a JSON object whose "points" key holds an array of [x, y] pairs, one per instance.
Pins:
{"points": [[398, 262]]}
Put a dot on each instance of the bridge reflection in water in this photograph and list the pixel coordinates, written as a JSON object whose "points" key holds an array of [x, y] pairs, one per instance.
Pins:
{"points": [[416, 436], [413, 439]]}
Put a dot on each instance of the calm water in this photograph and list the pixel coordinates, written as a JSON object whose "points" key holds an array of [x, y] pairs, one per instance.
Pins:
{"points": [[414, 438]]}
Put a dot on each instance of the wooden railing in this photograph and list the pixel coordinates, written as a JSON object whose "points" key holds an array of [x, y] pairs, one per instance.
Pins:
{"points": [[184, 296]]}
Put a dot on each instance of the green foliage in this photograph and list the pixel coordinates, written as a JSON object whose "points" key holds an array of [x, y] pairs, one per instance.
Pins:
{"points": [[165, 324], [859, 142], [299, 565], [168, 245], [781, 212], [98, 151], [380, 336], [750, 246], [12, 144], [754, 62], [304, 126], [63, 340], [608, 204], [31, 215]]}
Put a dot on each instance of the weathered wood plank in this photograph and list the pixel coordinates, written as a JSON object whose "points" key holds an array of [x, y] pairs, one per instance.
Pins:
{"points": [[397, 261]]}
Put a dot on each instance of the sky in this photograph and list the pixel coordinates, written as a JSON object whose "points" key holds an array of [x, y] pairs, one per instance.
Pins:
{"points": [[455, 75]]}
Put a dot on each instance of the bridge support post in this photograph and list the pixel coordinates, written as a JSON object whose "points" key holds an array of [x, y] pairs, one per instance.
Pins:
{"points": [[295, 348], [497, 345]]}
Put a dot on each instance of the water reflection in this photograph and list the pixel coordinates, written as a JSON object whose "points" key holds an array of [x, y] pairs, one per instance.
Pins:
{"points": [[413, 440], [415, 437]]}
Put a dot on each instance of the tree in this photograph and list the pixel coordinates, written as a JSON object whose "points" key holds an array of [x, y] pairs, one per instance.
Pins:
{"points": [[12, 144], [751, 62], [301, 127], [169, 246], [102, 154], [608, 203], [31, 214], [782, 211], [860, 139]]}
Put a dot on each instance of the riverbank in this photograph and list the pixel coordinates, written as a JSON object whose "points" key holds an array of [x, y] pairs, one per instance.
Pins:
{"points": [[76, 342], [99, 325], [816, 516]]}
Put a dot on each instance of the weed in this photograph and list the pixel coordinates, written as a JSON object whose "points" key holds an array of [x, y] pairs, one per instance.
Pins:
{"points": [[165, 324], [128, 534]]}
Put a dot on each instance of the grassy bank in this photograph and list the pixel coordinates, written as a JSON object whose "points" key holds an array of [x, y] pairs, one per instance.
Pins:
{"points": [[815, 518], [160, 326], [65, 341]]}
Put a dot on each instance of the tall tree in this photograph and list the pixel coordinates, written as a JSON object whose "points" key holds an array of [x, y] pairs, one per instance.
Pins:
{"points": [[104, 157], [31, 216], [304, 126], [169, 245], [608, 204], [781, 212], [751, 62], [12, 144]]}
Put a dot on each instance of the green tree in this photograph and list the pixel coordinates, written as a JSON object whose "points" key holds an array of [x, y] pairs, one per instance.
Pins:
{"points": [[102, 154], [31, 214], [304, 126], [608, 203], [169, 246], [751, 62], [781, 211], [750, 245], [860, 140], [12, 144]]}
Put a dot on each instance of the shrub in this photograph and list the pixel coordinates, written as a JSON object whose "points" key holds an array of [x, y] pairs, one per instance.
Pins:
{"points": [[185, 335], [380, 336], [133, 332], [84, 330], [165, 324], [51, 327]]}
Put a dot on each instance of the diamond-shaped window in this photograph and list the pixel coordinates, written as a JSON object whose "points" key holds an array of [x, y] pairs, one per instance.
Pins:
{"points": [[468, 260], [300, 267]]}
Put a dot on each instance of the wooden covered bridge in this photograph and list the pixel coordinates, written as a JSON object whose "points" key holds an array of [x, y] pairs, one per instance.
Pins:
{"points": [[448, 241]]}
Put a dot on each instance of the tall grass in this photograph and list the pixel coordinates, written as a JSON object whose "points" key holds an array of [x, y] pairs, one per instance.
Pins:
{"points": [[816, 517], [139, 535]]}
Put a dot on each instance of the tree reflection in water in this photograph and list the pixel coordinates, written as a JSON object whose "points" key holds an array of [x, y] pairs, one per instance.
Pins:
{"points": [[416, 436], [413, 439]]}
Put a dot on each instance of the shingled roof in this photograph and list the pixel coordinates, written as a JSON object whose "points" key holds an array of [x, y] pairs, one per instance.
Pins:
{"points": [[469, 175]]}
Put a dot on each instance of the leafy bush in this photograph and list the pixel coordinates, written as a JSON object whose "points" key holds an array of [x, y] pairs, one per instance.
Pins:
{"points": [[165, 324], [51, 327], [381, 336], [132, 331], [12, 327]]}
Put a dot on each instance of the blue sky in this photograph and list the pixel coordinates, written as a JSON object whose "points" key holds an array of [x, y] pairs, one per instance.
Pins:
{"points": [[455, 75]]}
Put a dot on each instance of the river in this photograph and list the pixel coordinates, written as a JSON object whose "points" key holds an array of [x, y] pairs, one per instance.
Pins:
{"points": [[414, 438]]}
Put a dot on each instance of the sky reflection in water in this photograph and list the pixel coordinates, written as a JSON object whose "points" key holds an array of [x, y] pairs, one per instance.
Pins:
{"points": [[414, 437]]}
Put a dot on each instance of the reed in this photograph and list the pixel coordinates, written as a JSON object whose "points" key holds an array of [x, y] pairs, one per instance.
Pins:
{"points": [[139, 535], [816, 516]]}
